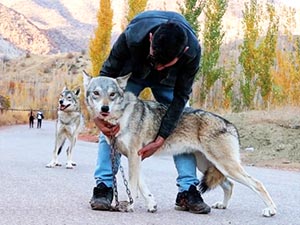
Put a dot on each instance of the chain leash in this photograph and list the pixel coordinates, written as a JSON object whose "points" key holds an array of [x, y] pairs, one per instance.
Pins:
{"points": [[126, 185], [114, 154], [114, 166]]}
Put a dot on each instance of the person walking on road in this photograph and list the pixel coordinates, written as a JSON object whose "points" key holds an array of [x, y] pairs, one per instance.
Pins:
{"points": [[40, 117], [31, 119]]}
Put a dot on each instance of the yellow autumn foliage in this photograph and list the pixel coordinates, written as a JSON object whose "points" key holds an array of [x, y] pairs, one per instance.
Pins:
{"points": [[99, 45]]}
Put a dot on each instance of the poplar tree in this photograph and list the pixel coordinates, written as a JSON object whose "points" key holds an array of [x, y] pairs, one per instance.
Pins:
{"points": [[258, 54], [249, 54], [286, 77], [297, 54], [135, 7], [267, 54], [296, 72], [99, 46], [191, 10], [212, 40]]}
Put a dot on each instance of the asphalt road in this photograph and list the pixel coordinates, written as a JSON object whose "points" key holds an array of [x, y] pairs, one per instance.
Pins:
{"points": [[35, 195]]}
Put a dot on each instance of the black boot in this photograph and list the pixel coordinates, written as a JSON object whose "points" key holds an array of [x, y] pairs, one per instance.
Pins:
{"points": [[191, 201], [102, 197]]}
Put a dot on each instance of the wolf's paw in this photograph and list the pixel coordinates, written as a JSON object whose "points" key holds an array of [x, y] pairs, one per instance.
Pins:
{"points": [[74, 163], [152, 205], [219, 205], [124, 206], [268, 212], [152, 209], [130, 208], [69, 166], [52, 164]]}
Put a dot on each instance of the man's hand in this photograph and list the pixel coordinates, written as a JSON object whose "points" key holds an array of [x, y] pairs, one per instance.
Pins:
{"points": [[151, 148], [106, 128]]}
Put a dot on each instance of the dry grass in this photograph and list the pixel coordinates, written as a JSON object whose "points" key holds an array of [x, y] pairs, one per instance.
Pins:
{"points": [[272, 135], [35, 82], [13, 117]]}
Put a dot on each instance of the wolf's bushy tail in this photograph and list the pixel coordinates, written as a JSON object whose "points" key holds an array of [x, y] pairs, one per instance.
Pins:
{"points": [[211, 179]]}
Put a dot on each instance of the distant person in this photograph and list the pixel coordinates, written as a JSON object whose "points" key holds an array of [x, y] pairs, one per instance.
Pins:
{"points": [[31, 119], [39, 117]]}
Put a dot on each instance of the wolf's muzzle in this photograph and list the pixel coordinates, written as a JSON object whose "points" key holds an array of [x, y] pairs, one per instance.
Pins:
{"points": [[62, 107], [105, 108]]}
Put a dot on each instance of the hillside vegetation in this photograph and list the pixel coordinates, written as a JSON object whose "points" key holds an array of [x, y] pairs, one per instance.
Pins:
{"points": [[35, 82]]}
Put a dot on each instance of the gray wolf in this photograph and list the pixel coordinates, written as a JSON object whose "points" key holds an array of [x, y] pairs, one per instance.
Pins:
{"points": [[213, 140], [68, 125]]}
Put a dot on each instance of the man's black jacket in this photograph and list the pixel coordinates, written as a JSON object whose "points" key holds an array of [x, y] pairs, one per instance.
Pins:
{"points": [[129, 54]]}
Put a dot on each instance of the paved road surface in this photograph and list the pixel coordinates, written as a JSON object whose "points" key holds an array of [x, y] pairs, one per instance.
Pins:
{"points": [[35, 195]]}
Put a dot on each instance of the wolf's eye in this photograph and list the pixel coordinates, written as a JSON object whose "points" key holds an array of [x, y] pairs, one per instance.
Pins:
{"points": [[96, 93], [112, 94]]}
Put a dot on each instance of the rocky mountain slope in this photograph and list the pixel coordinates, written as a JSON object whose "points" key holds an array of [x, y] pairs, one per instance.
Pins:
{"points": [[22, 34]]}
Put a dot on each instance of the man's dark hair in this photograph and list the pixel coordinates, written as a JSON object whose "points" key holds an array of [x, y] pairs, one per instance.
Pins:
{"points": [[169, 41]]}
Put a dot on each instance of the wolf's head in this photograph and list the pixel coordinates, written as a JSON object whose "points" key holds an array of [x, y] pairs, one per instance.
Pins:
{"points": [[104, 95], [69, 100]]}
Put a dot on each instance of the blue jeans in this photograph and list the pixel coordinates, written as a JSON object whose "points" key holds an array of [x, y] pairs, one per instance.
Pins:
{"points": [[185, 163]]}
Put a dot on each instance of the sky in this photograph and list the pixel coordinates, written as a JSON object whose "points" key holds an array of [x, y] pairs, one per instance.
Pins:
{"points": [[293, 3]]}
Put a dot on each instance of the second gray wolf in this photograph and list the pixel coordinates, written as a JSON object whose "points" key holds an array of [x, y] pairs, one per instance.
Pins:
{"points": [[68, 125], [213, 140]]}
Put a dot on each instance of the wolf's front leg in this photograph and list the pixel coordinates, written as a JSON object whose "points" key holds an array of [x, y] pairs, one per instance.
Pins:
{"points": [[70, 163], [150, 200], [58, 144], [134, 162]]}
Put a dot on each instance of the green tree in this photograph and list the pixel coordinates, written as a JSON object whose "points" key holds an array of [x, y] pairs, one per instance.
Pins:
{"points": [[212, 40], [267, 54], [99, 45], [248, 56], [258, 54], [191, 10]]}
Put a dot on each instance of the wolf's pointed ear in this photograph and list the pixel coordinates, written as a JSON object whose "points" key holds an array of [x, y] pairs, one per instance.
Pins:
{"points": [[86, 78], [77, 91], [65, 88], [122, 81]]}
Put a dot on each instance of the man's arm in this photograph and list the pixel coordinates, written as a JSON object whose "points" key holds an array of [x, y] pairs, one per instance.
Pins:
{"points": [[182, 90]]}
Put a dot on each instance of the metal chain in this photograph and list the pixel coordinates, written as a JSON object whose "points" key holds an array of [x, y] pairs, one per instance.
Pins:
{"points": [[114, 155], [126, 185], [114, 171]]}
